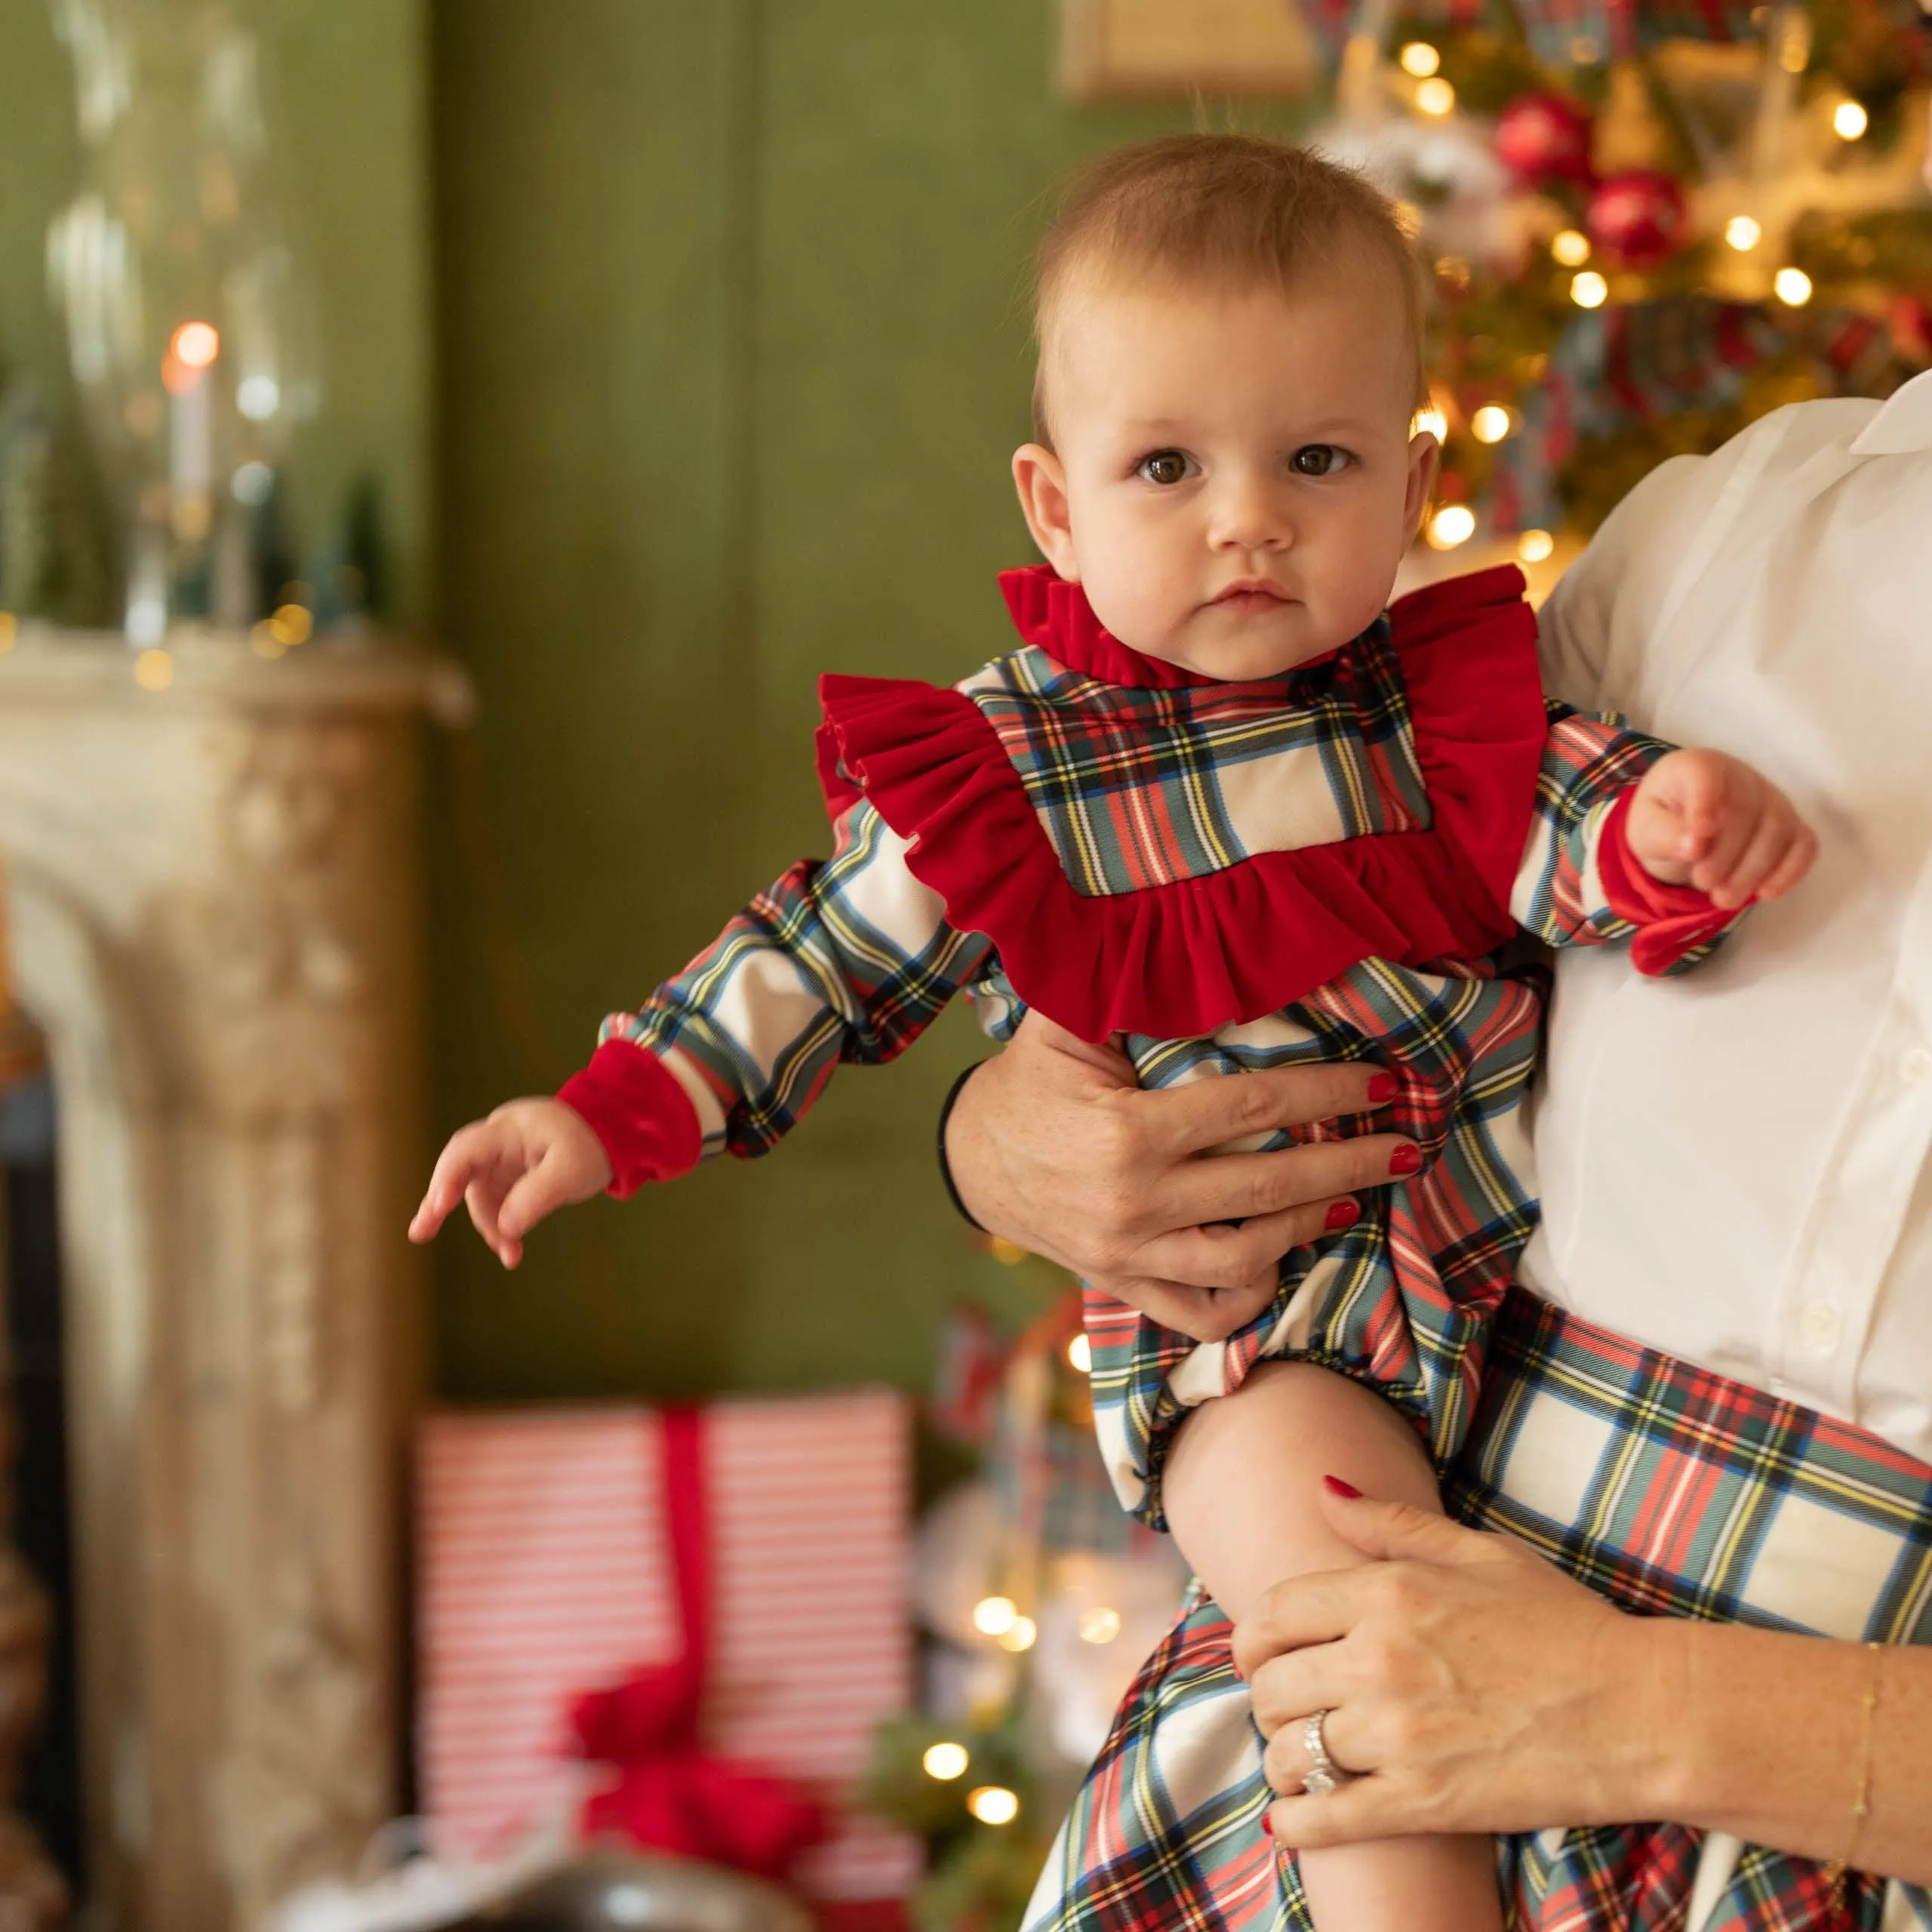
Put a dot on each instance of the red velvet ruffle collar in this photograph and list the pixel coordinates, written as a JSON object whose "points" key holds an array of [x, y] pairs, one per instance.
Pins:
{"points": [[1186, 959]]}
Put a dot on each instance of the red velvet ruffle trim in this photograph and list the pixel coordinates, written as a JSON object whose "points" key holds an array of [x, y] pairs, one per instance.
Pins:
{"points": [[1670, 920], [644, 1121], [1189, 957]]}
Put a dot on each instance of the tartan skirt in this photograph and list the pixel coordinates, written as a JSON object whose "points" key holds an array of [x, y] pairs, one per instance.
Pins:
{"points": [[1670, 1491]]}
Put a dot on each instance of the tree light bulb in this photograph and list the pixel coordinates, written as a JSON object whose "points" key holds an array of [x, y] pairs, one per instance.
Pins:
{"points": [[1850, 120], [1080, 1353], [1742, 233], [944, 1761], [1100, 1625], [1436, 96], [1793, 287], [1571, 247], [1491, 423], [1419, 58], [995, 1616], [1454, 525], [1431, 422], [1020, 1635], [1590, 290], [1534, 545], [992, 1805]]}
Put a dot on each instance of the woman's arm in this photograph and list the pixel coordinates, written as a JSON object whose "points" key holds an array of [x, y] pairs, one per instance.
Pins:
{"points": [[1480, 1689], [1051, 1146]]}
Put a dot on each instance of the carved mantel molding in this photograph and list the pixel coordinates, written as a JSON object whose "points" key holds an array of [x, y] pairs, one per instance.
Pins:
{"points": [[215, 910]]}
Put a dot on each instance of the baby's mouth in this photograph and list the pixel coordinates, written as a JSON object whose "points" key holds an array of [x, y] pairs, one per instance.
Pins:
{"points": [[1251, 594]]}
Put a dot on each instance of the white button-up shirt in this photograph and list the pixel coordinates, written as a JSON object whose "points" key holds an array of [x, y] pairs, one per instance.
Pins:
{"points": [[1734, 1164]]}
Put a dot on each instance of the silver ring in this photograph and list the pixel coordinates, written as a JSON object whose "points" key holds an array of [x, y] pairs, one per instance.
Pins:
{"points": [[1324, 1775]]}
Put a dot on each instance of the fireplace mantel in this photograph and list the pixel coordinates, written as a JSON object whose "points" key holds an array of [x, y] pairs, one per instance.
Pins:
{"points": [[213, 899]]}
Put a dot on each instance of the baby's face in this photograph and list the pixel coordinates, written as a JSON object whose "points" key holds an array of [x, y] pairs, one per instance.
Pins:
{"points": [[1234, 480]]}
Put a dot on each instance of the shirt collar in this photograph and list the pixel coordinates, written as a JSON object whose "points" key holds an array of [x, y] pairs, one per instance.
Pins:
{"points": [[1904, 426]]}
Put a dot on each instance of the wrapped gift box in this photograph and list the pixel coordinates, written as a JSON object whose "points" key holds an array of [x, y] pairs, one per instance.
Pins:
{"points": [[544, 1572]]}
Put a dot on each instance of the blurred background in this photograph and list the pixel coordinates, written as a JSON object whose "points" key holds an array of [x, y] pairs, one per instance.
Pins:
{"points": [[441, 443]]}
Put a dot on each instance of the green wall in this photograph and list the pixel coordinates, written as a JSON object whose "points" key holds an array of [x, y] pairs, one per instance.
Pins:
{"points": [[733, 359]]}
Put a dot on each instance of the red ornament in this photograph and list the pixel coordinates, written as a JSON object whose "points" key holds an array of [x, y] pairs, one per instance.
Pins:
{"points": [[1637, 220], [1545, 138]]}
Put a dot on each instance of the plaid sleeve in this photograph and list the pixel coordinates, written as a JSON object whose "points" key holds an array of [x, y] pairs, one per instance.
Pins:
{"points": [[1573, 887], [848, 958]]}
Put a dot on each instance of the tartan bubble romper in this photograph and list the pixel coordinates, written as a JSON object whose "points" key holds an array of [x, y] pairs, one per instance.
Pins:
{"points": [[1223, 877]]}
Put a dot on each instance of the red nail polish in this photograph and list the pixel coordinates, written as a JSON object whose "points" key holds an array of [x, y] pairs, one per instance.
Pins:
{"points": [[1383, 1087], [1336, 1486], [1405, 1161], [1342, 1214]]}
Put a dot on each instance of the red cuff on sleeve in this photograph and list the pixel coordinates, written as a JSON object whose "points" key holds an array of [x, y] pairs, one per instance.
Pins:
{"points": [[1670, 920], [632, 1102]]}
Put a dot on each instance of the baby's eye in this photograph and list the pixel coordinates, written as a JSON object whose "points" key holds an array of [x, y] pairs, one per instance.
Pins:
{"points": [[1319, 460], [1165, 467]]}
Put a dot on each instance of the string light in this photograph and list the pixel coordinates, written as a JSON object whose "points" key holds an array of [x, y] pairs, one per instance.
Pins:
{"points": [[1793, 287], [265, 641], [1742, 233], [1588, 290], [292, 624], [1419, 58], [1021, 1634], [1491, 423], [154, 670], [1454, 524], [945, 1762], [1534, 545], [195, 345], [10, 629], [1571, 247], [1436, 96], [992, 1805], [1098, 1625], [1431, 422], [995, 1616], [1850, 120], [1080, 1353]]}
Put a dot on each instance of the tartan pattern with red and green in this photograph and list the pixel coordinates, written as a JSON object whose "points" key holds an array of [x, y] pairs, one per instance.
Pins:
{"points": [[1681, 1493], [1401, 1299], [1129, 783]]}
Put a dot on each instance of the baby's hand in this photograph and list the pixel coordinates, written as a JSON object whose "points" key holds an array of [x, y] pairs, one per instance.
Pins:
{"points": [[1703, 819], [529, 1157]]}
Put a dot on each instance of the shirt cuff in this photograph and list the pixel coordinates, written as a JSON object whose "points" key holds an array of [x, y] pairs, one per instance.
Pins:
{"points": [[644, 1119], [1670, 920]]}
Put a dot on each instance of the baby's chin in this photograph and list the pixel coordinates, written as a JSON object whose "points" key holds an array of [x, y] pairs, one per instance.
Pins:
{"points": [[1243, 647]]}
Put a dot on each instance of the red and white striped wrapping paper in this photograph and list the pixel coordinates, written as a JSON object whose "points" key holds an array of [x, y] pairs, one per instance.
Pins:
{"points": [[545, 1573]]}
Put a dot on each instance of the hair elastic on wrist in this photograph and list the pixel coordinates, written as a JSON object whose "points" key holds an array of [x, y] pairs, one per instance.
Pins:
{"points": [[1861, 1803], [946, 1107]]}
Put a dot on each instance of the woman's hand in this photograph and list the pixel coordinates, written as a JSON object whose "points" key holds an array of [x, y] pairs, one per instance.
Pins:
{"points": [[1053, 1147], [1472, 1686]]}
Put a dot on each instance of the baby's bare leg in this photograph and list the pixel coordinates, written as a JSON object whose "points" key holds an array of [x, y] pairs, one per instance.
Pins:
{"points": [[1241, 1492]]}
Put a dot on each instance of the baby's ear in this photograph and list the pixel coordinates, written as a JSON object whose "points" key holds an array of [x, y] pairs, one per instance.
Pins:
{"points": [[1425, 459], [1040, 480]]}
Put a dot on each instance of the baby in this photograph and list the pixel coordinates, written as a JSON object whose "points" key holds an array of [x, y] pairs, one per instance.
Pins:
{"points": [[1225, 806]]}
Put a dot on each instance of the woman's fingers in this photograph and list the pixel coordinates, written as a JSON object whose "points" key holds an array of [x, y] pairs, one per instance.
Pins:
{"points": [[1203, 1314], [1238, 1187], [1294, 1613], [1204, 1114]]}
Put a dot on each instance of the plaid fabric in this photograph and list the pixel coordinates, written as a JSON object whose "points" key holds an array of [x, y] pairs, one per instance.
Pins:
{"points": [[1400, 1300], [1670, 1490], [1142, 788]]}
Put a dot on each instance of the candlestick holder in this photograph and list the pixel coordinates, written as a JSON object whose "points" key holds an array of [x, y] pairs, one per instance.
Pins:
{"points": [[187, 321]]}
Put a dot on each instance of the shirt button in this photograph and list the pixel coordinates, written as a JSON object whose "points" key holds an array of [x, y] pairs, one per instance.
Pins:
{"points": [[1915, 1063], [1818, 1323]]}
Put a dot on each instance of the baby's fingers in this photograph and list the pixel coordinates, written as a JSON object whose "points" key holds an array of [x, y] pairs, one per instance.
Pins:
{"points": [[542, 1191], [468, 1151], [1768, 840], [1791, 869]]}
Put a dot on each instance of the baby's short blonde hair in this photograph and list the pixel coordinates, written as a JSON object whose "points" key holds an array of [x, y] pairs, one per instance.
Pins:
{"points": [[1225, 210]]}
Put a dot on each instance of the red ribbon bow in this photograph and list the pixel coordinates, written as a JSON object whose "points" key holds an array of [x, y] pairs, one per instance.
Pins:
{"points": [[671, 1794]]}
